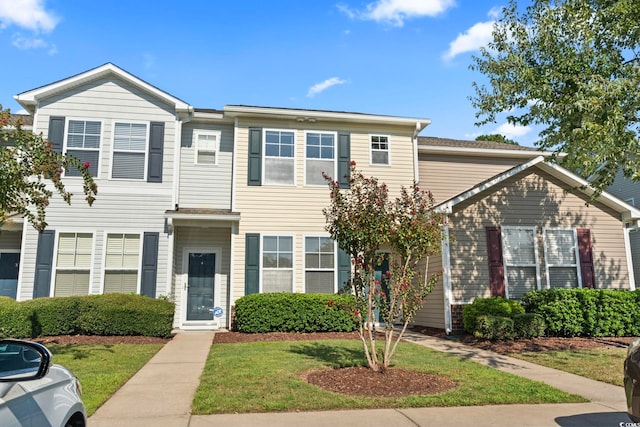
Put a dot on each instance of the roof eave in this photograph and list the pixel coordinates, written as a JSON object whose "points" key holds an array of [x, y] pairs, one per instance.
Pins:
{"points": [[484, 152]]}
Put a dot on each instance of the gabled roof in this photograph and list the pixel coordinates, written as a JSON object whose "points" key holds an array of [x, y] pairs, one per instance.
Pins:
{"points": [[434, 145], [629, 214], [30, 98]]}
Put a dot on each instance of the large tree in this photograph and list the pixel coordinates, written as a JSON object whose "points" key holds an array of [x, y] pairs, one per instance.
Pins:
{"points": [[30, 172], [573, 68]]}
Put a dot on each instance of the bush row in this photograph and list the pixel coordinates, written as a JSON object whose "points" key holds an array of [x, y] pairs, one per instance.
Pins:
{"points": [[294, 312], [109, 314]]}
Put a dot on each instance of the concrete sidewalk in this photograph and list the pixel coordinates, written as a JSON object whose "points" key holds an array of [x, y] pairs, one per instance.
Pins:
{"points": [[160, 395]]}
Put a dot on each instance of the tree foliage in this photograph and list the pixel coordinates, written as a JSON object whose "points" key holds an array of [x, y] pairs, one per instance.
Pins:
{"points": [[30, 168], [572, 67], [496, 137], [364, 222]]}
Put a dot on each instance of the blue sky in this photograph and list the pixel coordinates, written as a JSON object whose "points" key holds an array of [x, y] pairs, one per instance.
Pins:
{"points": [[395, 57]]}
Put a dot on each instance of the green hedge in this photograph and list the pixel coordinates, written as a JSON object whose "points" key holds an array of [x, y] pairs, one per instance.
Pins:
{"points": [[586, 312], [494, 328], [294, 312], [494, 306], [109, 314]]}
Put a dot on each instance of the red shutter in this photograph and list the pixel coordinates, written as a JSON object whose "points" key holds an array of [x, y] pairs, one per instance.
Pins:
{"points": [[586, 258], [496, 268]]}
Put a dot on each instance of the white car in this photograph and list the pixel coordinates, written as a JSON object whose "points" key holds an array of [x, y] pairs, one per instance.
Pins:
{"points": [[35, 393]]}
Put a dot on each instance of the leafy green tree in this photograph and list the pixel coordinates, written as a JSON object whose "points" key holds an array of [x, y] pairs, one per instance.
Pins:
{"points": [[496, 137], [572, 67], [30, 168], [364, 221]]}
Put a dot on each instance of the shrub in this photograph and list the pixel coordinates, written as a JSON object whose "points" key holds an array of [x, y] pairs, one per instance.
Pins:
{"points": [[494, 306], [15, 321], [586, 312], [529, 325], [52, 316], [494, 327], [294, 312]]}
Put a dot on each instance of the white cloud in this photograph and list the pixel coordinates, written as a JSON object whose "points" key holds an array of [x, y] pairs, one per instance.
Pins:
{"points": [[395, 12], [27, 14], [513, 131], [322, 86], [474, 38], [25, 43]]}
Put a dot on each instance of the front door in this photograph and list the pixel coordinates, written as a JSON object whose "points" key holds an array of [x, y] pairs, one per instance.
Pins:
{"points": [[9, 263], [200, 286]]}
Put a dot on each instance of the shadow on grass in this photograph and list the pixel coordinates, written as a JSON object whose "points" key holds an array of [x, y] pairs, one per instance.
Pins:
{"points": [[79, 353], [334, 356]]}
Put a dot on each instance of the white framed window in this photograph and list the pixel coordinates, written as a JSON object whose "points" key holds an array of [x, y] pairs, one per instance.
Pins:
{"points": [[320, 153], [122, 263], [207, 145], [562, 258], [279, 157], [277, 264], [520, 255], [129, 159], [319, 265], [73, 264], [82, 141], [380, 150]]}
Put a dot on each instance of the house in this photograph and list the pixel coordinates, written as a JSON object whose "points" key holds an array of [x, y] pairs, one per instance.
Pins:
{"points": [[517, 223], [204, 206], [629, 191]]}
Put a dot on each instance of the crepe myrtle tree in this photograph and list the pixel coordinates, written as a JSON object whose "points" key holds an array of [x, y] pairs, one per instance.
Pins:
{"points": [[30, 168], [364, 221]]}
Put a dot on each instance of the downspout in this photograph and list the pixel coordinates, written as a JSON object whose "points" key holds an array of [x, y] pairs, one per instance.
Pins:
{"points": [[446, 279], [234, 226], [627, 250], [416, 174]]}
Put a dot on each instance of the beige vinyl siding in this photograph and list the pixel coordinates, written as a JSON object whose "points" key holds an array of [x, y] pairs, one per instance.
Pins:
{"points": [[196, 237], [532, 198], [449, 175], [297, 210], [432, 314], [10, 240], [202, 185]]}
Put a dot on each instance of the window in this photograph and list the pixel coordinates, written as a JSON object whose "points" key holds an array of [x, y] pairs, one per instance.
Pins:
{"points": [[319, 262], [561, 253], [320, 153], [207, 145], [379, 150], [277, 264], [520, 260], [73, 264], [122, 261], [83, 142], [279, 166], [129, 150]]}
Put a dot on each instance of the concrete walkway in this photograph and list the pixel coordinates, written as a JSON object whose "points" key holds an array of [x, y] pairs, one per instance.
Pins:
{"points": [[160, 395]]}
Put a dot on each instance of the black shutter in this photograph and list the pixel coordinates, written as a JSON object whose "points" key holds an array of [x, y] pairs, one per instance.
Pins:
{"points": [[586, 258], [254, 174], [149, 264], [344, 159], [496, 267], [44, 264], [252, 264], [344, 268], [56, 132], [156, 147]]}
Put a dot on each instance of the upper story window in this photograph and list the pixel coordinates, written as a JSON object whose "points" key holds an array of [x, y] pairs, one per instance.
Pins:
{"points": [[520, 260], [73, 264], [279, 158], [83, 142], [320, 154], [207, 145], [379, 150], [561, 253], [129, 150], [277, 264]]}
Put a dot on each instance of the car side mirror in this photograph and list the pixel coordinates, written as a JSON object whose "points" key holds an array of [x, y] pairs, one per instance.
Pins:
{"points": [[23, 360]]}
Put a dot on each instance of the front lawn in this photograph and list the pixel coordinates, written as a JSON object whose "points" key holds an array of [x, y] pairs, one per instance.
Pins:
{"points": [[266, 377], [102, 368], [600, 364]]}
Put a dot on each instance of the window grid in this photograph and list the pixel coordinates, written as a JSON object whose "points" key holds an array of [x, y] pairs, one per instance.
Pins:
{"points": [[279, 157], [379, 150], [562, 258], [83, 142], [520, 260], [320, 154], [277, 264], [207, 147]]}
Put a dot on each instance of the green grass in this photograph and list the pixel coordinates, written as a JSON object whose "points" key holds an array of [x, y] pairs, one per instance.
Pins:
{"points": [[601, 364], [102, 369], [266, 377]]}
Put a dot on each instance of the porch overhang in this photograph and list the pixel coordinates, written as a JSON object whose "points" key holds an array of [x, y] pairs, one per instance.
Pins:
{"points": [[200, 217]]}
